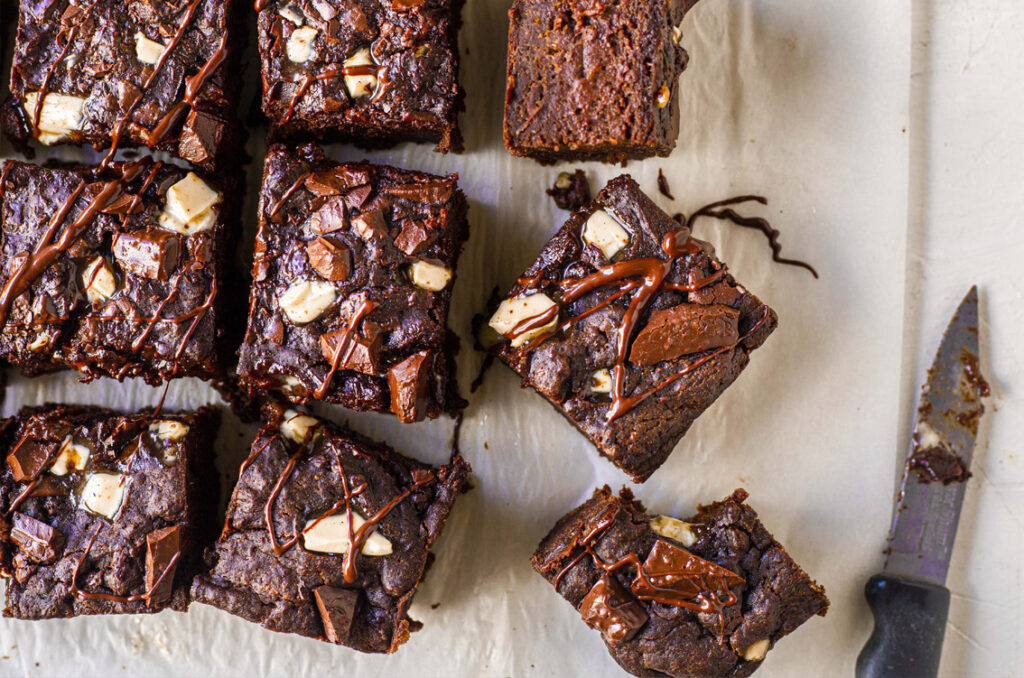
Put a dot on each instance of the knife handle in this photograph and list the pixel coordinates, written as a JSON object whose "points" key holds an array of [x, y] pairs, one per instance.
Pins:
{"points": [[910, 623]]}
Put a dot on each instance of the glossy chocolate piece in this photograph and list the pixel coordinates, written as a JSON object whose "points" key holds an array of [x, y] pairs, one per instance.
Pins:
{"points": [[684, 329], [40, 542], [337, 608], [611, 609]]}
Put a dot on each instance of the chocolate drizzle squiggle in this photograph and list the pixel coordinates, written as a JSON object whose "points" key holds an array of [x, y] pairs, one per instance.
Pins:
{"points": [[343, 351]]}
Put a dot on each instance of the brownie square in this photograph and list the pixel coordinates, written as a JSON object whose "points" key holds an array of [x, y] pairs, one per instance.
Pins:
{"points": [[285, 557], [708, 596], [115, 272], [629, 326], [370, 71], [104, 513], [352, 280], [138, 73], [593, 80]]}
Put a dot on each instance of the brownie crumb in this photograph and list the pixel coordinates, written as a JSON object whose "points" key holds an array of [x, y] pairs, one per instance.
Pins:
{"points": [[571, 191], [663, 186]]}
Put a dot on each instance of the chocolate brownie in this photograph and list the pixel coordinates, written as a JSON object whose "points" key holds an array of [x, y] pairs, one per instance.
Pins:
{"points": [[114, 272], [629, 326], [104, 513], [308, 492], [352, 280], [593, 80], [371, 71], [708, 596], [140, 73]]}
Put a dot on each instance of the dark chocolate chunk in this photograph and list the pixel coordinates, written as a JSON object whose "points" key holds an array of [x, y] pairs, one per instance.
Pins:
{"points": [[151, 253], [684, 329], [571, 191], [357, 196], [37, 540], [414, 237], [337, 608], [163, 547], [201, 137], [330, 217], [330, 258], [408, 381], [613, 611], [360, 352], [29, 458], [370, 225]]}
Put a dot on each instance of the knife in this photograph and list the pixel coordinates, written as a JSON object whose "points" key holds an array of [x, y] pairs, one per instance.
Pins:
{"points": [[909, 600]]}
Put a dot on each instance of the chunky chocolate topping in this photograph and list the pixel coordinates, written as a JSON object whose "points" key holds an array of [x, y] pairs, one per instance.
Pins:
{"points": [[685, 329], [613, 611]]}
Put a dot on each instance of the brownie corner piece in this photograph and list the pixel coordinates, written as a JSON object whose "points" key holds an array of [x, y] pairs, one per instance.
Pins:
{"points": [[115, 74], [593, 80], [707, 596], [629, 326], [104, 513], [352, 281], [288, 559], [375, 72], [115, 271]]}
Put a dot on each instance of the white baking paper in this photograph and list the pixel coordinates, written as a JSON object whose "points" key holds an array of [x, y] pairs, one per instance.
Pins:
{"points": [[803, 101]]}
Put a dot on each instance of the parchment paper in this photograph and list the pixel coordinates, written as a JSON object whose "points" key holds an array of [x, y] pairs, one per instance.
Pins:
{"points": [[802, 100]]}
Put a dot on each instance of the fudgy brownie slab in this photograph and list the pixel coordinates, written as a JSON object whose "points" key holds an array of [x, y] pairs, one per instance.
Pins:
{"points": [[629, 326], [104, 513], [352, 280], [593, 80], [708, 596], [141, 73], [114, 272], [327, 534], [371, 71]]}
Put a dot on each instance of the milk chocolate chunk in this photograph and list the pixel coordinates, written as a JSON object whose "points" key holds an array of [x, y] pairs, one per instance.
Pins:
{"points": [[414, 237], [330, 258], [684, 329], [201, 136], [162, 546], [337, 608], [151, 253], [370, 225], [427, 192], [674, 576], [42, 543], [359, 352], [357, 197], [408, 381], [336, 181], [612, 610], [29, 458], [330, 217]]}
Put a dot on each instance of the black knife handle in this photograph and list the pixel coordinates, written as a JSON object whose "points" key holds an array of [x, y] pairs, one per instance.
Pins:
{"points": [[910, 623]]}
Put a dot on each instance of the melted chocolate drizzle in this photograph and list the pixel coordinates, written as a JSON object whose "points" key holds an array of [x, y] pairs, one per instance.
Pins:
{"points": [[647, 276], [673, 587], [726, 214], [344, 348]]}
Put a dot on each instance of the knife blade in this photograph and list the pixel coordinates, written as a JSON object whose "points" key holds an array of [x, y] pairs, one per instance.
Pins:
{"points": [[908, 599]]}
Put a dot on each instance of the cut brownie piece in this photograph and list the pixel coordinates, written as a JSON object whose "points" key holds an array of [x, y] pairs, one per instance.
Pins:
{"points": [[593, 80], [371, 71], [352, 282], [306, 494], [113, 73], [104, 513], [112, 272], [703, 597], [629, 326]]}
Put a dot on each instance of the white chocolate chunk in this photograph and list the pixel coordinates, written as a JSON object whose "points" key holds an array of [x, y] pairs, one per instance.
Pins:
{"points": [[674, 529], [98, 280], [604, 232], [291, 13], [168, 429], [60, 114], [71, 457], [104, 493], [360, 85], [677, 34], [148, 51], [299, 427], [330, 535], [188, 208], [40, 342], [756, 651], [306, 300], [429, 276], [601, 381], [512, 312], [300, 45]]}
